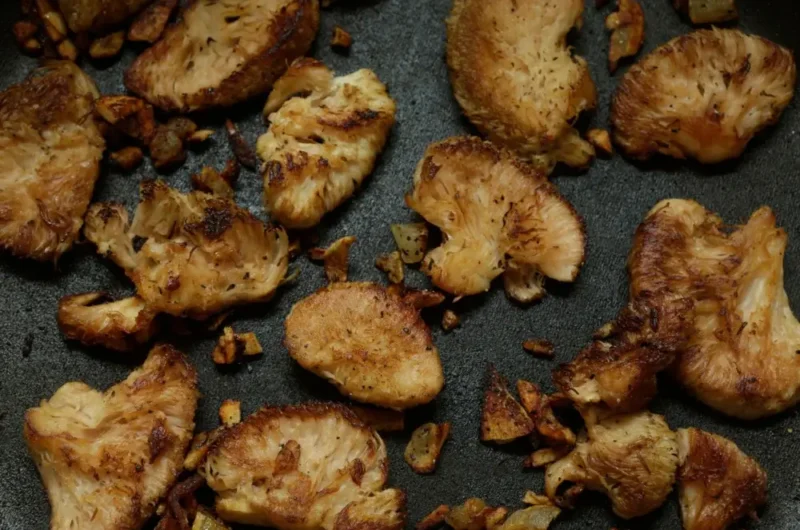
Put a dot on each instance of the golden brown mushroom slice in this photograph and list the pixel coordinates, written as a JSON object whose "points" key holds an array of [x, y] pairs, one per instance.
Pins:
{"points": [[50, 152], [631, 458], [107, 458], [368, 342], [515, 77], [703, 95], [324, 137], [718, 484], [741, 357], [303, 467], [201, 254], [221, 53], [707, 11], [95, 320], [503, 419], [98, 15], [497, 215]]}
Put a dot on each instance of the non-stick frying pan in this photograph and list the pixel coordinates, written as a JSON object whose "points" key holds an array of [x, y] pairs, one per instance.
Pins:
{"points": [[403, 41]]}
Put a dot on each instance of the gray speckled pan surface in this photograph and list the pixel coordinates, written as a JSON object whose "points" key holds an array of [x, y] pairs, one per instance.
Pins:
{"points": [[403, 41]]}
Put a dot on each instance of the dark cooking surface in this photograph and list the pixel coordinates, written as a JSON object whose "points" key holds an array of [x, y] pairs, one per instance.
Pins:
{"points": [[403, 41]]}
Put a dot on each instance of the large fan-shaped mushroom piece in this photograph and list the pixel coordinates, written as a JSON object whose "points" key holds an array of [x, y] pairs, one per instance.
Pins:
{"points": [[201, 254], [222, 52], [50, 152], [703, 95], [107, 458], [515, 77], [304, 467], [98, 15], [497, 215], [718, 483], [324, 137], [367, 341], [741, 357], [631, 458]]}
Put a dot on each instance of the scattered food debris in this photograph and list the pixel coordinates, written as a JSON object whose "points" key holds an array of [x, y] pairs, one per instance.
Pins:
{"points": [[434, 519], [601, 140], [234, 347], [241, 149], [539, 348], [107, 46], [335, 258], [450, 320], [150, 23], [412, 241], [627, 32], [425, 446], [392, 265], [503, 419], [127, 158], [341, 38], [230, 412]]}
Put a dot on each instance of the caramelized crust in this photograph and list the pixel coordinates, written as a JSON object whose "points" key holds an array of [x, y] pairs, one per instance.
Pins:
{"points": [[703, 95], [50, 151], [718, 483], [98, 15]]}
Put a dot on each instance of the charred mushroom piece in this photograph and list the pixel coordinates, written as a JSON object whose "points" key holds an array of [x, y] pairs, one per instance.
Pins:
{"points": [[322, 144], [127, 158], [108, 46], [703, 95], [341, 39], [497, 215], [368, 342], [235, 347], [631, 458], [515, 77], [50, 152], [201, 254], [93, 319], [106, 458], [307, 467], [502, 419], [221, 53], [433, 519], [718, 484], [741, 356]]}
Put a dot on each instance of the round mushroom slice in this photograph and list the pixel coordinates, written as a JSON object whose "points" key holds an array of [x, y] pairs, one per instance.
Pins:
{"points": [[371, 344], [314, 466], [741, 357], [497, 215], [515, 77], [223, 52], [703, 95]]}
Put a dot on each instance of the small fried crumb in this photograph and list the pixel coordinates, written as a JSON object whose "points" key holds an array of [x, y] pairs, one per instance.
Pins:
{"points": [[341, 38], [423, 450], [108, 46], [67, 50], [434, 519], [539, 348], [543, 457], [496, 517], [534, 499], [210, 181], [230, 412], [200, 136], [335, 258], [166, 148], [392, 265], [450, 320], [601, 140], [241, 149], [233, 347], [127, 158], [24, 30]]}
